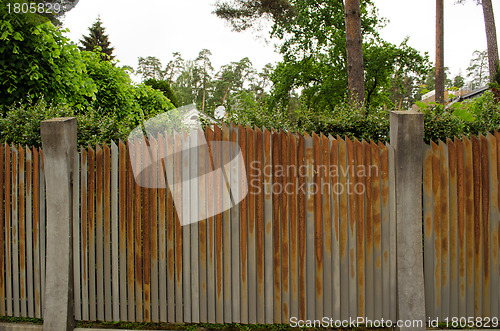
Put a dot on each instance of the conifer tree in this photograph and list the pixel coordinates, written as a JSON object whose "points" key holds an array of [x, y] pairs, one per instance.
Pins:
{"points": [[98, 38]]}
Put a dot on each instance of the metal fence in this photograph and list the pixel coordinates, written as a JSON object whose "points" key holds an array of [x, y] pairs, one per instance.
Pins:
{"points": [[461, 232], [314, 237]]}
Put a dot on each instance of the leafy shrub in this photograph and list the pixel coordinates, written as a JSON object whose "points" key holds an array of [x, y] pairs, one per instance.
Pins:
{"points": [[165, 88]]}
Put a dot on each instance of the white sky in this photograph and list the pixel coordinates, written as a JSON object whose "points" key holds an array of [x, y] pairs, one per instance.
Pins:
{"points": [[159, 27]]}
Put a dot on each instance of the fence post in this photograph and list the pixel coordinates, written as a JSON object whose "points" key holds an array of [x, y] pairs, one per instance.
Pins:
{"points": [[407, 132], [59, 145]]}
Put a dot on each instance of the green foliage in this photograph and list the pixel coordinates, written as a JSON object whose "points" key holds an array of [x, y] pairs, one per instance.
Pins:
{"points": [[36, 60], [164, 87], [98, 40]]}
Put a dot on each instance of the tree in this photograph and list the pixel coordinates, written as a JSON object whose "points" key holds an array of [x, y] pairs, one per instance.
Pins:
{"points": [[459, 81], [354, 48], [439, 52], [477, 71], [97, 39], [491, 36], [164, 87], [150, 67]]}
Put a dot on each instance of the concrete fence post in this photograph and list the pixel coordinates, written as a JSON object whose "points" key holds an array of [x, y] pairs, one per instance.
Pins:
{"points": [[59, 146], [407, 132]]}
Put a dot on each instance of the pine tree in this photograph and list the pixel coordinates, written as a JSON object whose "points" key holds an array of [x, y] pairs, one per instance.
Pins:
{"points": [[98, 38]]}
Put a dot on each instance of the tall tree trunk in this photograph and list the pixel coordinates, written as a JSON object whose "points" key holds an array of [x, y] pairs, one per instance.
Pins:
{"points": [[439, 52], [491, 38], [354, 46]]}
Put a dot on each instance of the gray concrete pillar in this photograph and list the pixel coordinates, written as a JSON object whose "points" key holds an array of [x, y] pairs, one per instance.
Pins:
{"points": [[407, 133], [59, 149]]}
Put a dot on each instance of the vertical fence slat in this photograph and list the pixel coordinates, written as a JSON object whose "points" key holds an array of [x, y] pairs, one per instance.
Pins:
{"points": [[251, 257], [202, 227], [242, 139], [235, 225], [453, 231], [29, 233], [115, 232], [276, 158], [107, 234], [318, 227], [178, 240], [122, 198], [210, 233], [259, 226], [369, 267], [478, 261], [293, 212], [146, 229], [153, 202], [493, 229], [218, 182], [43, 223], [186, 230], [22, 233], [91, 234], [195, 187], [170, 220], [428, 231], [301, 199], [8, 235], [138, 236], [130, 235], [374, 171], [268, 226], [485, 225], [445, 228], [76, 236], [352, 231], [84, 231], [344, 229], [326, 192], [15, 232], [436, 190], [335, 219], [36, 230], [461, 238], [226, 223], [386, 232], [284, 222], [469, 225], [162, 240], [360, 228], [99, 232]]}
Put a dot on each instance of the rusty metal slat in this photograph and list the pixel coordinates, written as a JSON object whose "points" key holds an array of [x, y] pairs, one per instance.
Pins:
{"points": [[178, 240], [122, 197], [8, 233], [138, 236], [91, 234], [99, 227], [162, 240], [285, 241], [194, 210], [310, 230], [251, 257], [374, 173], [343, 169], [445, 232], [170, 230], [218, 181], [360, 228], [236, 189], [485, 224], [301, 199], [22, 233], [108, 313], [366, 172], [146, 176], [453, 229], [493, 229], [210, 233], [2, 234], [469, 226], [352, 231], [461, 239], [259, 225], [153, 265], [325, 190], [130, 234], [84, 232], [77, 291], [15, 233], [29, 234], [318, 226], [277, 182], [335, 219], [226, 223], [428, 232], [36, 230], [115, 232], [293, 213], [436, 190], [386, 230], [496, 208], [478, 261], [202, 227], [268, 226], [185, 229]]}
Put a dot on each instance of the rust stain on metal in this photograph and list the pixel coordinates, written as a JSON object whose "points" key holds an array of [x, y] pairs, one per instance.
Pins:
{"points": [[469, 210], [436, 183], [350, 185], [374, 173], [260, 215], [453, 202], [485, 199], [277, 181], [293, 216], [318, 225], [284, 216], [476, 159], [361, 219], [444, 215], [343, 199], [461, 211], [302, 230], [366, 172], [326, 193], [243, 213], [334, 162], [427, 178]]}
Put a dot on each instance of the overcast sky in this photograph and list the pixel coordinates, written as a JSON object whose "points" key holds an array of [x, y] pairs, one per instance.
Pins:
{"points": [[159, 27]]}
